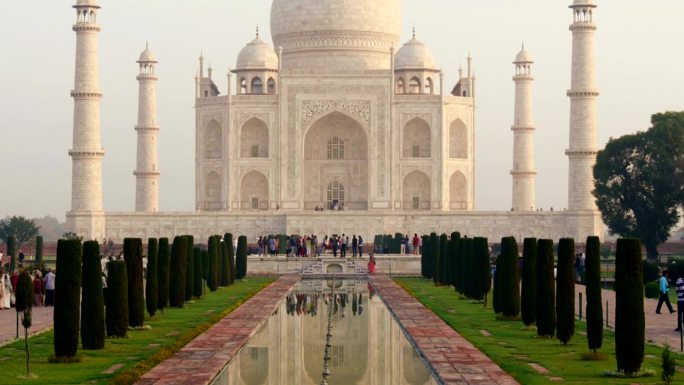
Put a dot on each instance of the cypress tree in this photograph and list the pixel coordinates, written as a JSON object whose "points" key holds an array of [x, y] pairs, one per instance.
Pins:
{"points": [[197, 259], [282, 246], [546, 289], [67, 311], [510, 278], [205, 265], [482, 273], [177, 271], [12, 251], [593, 291], [468, 266], [189, 267], [629, 306], [136, 292], [424, 257], [398, 239], [529, 282], [223, 256], [434, 257], [39, 249], [460, 265], [92, 301], [565, 291], [24, 305], [452, 251], [151, 282], [214, 250], [241, 257], [163, 263], [117, 299], [227, 265], [443, 265]]}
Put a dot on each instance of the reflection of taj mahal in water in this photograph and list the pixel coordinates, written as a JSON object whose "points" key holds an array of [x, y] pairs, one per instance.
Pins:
{"points": [[339, 114], [367, 345]]}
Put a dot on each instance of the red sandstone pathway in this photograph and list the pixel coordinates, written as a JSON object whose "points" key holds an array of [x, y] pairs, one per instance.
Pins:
{"points": [[659, 327], [42, 320], [455, 359], [203, 358]]}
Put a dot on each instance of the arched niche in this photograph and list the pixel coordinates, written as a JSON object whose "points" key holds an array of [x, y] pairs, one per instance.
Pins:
{"points": [[417, 191], [458, 140], [417, 139], [254, 139], [254, 191], [213, 191], [458, 191], [212, 140]]}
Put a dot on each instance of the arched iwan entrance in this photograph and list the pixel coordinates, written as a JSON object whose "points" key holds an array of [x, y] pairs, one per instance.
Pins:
{"points": [[254, 192], [416, 191], [335, 154], [458, 191]]}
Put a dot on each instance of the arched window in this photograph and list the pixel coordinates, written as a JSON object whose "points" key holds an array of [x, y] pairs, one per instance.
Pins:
{"points": [[254, 139], [335, 194], [414, 85], [336, 148], [416, 191], [458, 140], [212, 191], [257, 86], [271, 86], [213, 139], [458, 191], [243, 86], [417, 139], [429, 87], [400, 86]]}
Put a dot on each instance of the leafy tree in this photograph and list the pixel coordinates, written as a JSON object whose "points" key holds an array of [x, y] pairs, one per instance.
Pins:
{"points": [[594, 301], [639, 181], [629, 306], [72, 236], [92, 299], [565, 291], [24, 305], [528, 297], [12, 251], [20, 228]]}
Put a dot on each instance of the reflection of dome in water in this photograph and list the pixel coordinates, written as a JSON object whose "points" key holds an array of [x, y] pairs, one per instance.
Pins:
{"points": [[337, 33], [254, 366]]}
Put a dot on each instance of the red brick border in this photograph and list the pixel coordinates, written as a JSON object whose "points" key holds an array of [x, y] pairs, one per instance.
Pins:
{"points": [[452, 357], [200, 361]]}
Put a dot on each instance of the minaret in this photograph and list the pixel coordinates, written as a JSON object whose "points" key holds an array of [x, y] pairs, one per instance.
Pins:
{"points": [[582, 151], [524, 174], [86, 216], [147, 169]]}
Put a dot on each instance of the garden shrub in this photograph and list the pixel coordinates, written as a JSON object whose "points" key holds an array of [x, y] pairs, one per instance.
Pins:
{"points": [[117, 299], [565, 291], [177, 271], [241, 258], [629, 306], [594, 313], [189, 267], [136, 291], [528, 297], [198, 283], [67, 309], [443, 269], [546, 291], [482, 273], [152, 276], [230, 261], [509, 271], [92, 301], [163, 265], [214, 252], [652, 290]]}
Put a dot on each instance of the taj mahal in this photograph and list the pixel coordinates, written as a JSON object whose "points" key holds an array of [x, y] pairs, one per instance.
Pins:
{"points": [[336, 127]]}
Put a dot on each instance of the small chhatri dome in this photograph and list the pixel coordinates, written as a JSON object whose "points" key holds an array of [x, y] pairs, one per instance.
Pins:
{"points": [[414, 55], [257, 55], [89, 3], [147, 56], [583, 3], [524, 56]]}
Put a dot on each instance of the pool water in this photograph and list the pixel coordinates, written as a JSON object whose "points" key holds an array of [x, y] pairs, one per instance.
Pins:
{"points": [[366, 345]]}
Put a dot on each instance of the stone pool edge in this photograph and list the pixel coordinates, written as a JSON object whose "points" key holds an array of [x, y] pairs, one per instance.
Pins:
{"points": [[453, 359], [200, 361]]}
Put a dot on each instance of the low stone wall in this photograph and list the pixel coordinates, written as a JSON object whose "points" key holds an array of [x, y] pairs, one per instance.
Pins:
{"points": [[493, 225], [386, 264]]}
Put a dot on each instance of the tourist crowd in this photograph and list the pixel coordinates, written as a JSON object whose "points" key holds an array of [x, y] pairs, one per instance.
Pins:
{"points": [[43, 287]]}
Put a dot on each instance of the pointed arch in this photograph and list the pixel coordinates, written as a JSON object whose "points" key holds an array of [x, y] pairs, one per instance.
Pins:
{"points": [[254, 139], [271, 86], [417, 139], [257, 86], [243, 86], [429, 86], [458, 191], [414, 86], [212, 140], [417, 191], [458, 140], [400, 86], [213, 191], [254, 189]]}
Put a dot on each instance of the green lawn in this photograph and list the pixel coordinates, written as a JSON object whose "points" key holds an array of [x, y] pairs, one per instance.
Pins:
{"points": [[176, 327], [513, 347]]}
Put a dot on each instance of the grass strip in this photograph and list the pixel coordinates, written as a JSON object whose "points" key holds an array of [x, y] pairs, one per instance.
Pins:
{"points": [[123, 361], [516, 349]]}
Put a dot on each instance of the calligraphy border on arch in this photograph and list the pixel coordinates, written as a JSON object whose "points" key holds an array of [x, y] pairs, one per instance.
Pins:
{"points": [[312, 109]]}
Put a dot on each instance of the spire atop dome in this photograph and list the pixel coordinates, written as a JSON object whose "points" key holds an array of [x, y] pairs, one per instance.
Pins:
{"points": [[257, 30], [414, 31]]}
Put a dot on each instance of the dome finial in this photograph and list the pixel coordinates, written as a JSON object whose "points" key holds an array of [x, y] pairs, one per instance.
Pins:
{"points": [[147, 45], [257, 30], [414, 31]]}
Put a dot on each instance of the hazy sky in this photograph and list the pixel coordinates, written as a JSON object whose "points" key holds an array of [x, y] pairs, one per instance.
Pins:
{"points": [[640, 71]]}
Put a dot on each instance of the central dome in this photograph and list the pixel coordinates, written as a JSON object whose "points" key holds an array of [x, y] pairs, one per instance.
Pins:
{"points": [[336, 34]]}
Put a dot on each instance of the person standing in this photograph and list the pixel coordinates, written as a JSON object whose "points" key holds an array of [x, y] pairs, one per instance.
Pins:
{"points": [[344, 241], [680, 302], [50, 288], [355, 246], [360, 247], [416, 244], [333, 241], [664, 289], [37, 289], [4, 290]]}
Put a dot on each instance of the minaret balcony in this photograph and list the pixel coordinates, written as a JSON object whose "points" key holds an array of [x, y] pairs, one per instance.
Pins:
{"points": [[583, 93], [581, 26], [86, 27]]}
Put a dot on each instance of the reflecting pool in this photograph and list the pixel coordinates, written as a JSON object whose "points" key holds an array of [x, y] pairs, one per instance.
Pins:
{"points": [[329, 332]]}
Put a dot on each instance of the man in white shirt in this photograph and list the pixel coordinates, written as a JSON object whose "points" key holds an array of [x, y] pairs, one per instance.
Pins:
{"points": [[50, 288]]}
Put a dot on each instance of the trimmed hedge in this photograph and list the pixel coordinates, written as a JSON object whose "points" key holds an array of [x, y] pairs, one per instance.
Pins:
{"points": [[509, 281], [241, 265], [67, 311], [136, 292], [482, 272], [24, 293], [468, 258], [189, 267], [152, 277], [629, 306], [163, 264], [528, 298], [12, 252], [546, 289], [177, 271], [460, 265], [92, 301], [117, 299], [594, 314], [39, 249], [565, 291], [434, 257], [227, 266], [424, 265], [443, 275], [198, 281], [214, 252], [452, 251]]}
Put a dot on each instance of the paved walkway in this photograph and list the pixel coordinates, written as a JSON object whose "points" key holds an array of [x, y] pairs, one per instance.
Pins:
{"points": [[453, 358], [42, 320], [203, 358], [659, 327]]}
